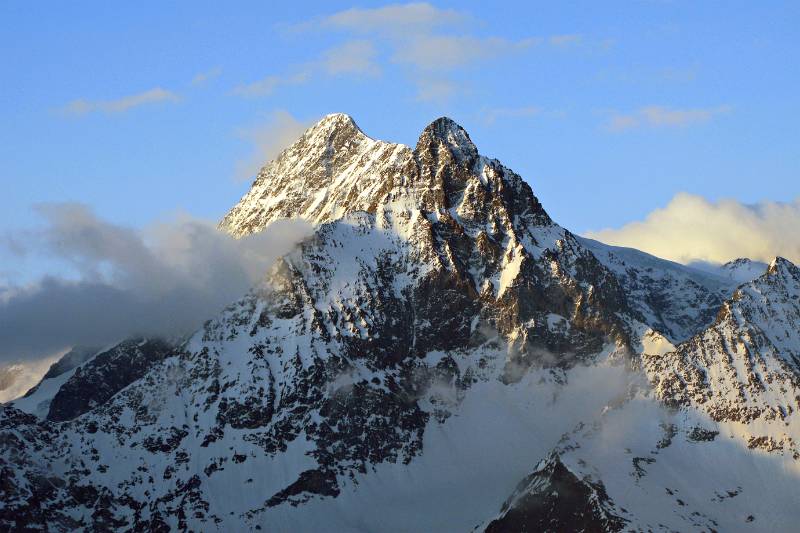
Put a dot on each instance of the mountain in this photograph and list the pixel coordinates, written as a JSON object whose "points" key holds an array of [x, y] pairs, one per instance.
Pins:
{"points": [[675, 300], [743, 269], [87, 377], [744, 370], [439, 356]]}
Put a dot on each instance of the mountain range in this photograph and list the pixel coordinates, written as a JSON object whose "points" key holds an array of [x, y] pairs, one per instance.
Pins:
{"points": [[440, 355]]}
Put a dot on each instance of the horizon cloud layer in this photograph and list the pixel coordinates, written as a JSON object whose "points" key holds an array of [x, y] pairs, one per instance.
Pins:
{"points": [[693, 229]]}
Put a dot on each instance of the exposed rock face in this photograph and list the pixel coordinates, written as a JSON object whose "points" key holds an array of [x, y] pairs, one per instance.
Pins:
{"points": [[435, 288], [674, 300], [70, 360], [553, 499], [469, 230], [107, 373]]}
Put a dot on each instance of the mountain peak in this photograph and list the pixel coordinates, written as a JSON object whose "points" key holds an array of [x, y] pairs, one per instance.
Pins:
{"points": [[335, 169], [335, 121], [783, 267], [447, 133], [335, 125], [743, 269]]}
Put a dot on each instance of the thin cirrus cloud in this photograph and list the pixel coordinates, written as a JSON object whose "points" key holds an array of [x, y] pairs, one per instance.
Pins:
{"points": [[664, 117], [568, 39], [431, 43], [434, 89], [444, 52], [355, 57], [202, 78], [493, 115], [691, 228], [120, 105], [392, 19], [269, 84]]}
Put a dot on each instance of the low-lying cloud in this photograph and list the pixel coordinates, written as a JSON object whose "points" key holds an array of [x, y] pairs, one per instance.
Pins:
{"points": [[691, 228], [166, 280]]}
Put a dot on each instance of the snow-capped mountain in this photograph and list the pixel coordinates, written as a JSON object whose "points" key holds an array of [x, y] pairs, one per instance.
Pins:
{"points": [[742, 270], [675, 300], [439, 356], [744, 370]]}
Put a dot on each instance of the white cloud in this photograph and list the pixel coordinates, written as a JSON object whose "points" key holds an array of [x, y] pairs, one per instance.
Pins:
{"points": [[430, 42], [691, 228], [438, 52], [165, 280], [279, 131], [435, 89], [267, 85], [353, 57], [659, 116], [120, 105], [203, 77], [565, 40], [18, 378], [394, 19], [492, 115]]}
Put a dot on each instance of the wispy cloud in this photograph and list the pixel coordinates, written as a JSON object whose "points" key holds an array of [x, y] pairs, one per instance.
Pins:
{"points": [[568, 39], [353, 57], [269, 84], [395, 19], [691, 228], [444, 52], [279, 131], [434, 89], [492, 115], [661, 117], [120, 105], [204, 77], [431, 43]]}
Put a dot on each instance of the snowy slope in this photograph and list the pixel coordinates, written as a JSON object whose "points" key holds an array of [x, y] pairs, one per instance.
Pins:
{"points": [[744, 370], [438, 356], [87, 377], [674, 299]]}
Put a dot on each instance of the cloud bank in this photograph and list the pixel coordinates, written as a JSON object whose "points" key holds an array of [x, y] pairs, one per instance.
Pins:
{"points": [[164, 281], [691, 228]]}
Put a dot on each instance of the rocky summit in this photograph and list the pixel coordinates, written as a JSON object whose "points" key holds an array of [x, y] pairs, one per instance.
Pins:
{"points": [[439, 356]]}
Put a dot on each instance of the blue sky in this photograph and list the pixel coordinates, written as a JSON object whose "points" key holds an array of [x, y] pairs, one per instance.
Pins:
{"points": [[608, 109]]}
